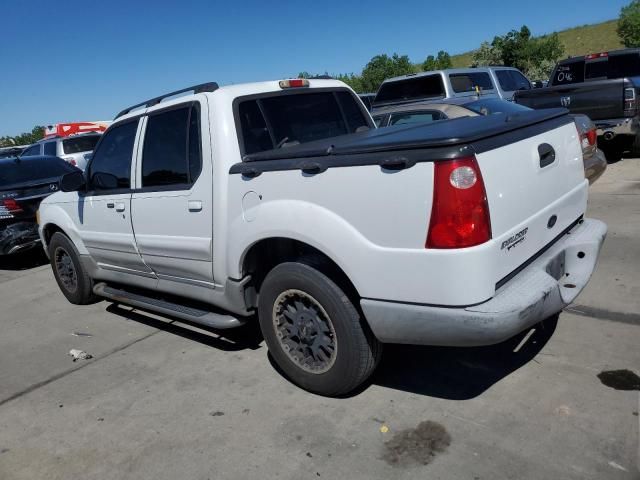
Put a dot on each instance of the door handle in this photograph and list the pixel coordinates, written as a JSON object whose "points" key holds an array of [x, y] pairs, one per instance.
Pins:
{"points": [[195, 205], [547, 155], [110, 205], [119, 207]]}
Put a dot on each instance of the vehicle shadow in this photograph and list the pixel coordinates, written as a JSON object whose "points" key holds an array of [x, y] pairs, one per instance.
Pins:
{"points": [[247, 337], [32, 258], [459, 373]]}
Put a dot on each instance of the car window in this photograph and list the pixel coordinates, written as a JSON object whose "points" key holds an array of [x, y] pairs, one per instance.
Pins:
{"points": [[490, 106], [568, 73], [413, 88], [171, 153], [32, 169], [280, 121], [31, 151], [415, 117], [378, 120], [511, 80], [50, 149], [80, 144], [596, 69], [468, 82], [110, 167], [624, 65]]}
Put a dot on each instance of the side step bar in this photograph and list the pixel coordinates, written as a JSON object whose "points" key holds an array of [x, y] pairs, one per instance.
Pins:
{"points": [[195, 315]]}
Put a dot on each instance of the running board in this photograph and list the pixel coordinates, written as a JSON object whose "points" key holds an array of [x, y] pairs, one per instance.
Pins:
{"points": [[195, 315]]}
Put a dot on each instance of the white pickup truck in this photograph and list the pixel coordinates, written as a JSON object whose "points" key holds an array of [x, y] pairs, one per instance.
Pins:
{"points": [[282, 199]]}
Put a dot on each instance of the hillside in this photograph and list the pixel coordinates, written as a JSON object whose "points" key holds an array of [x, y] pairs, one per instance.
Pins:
{"points": [[577, 41]]}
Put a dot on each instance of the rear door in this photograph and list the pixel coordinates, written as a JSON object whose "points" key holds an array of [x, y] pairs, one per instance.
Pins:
{"points": [[104, 211], [172, 205]]}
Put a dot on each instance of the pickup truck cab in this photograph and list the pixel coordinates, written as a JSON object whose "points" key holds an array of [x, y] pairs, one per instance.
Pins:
{"points": [[501, 82], [281, 198], [604, 86]]}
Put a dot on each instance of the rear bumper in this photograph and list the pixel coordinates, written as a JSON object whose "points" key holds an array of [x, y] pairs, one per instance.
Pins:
{"points": [[594, 166], [542, 289], [618, 126], [18, 236]]}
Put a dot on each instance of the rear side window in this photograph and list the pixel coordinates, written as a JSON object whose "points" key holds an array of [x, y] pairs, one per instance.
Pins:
{"points": [[286, 120], [624, 66], [468, 82], [171, 153], [110, 167], [50, 148], [31, 151], [415, 117], [569, 73], [425, 86], [512, 80], [79, 144]]}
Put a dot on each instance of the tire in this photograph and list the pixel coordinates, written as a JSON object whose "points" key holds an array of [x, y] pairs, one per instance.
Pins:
{"points": [[332, 364], [74, 282]]}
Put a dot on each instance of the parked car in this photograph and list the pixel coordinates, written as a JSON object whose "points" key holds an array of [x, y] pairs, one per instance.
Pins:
{"points": [[339, 235], [24, 182], [75, 149], [367, 99], [605, 87], [9, 152], [595, 162], [437, 85]]}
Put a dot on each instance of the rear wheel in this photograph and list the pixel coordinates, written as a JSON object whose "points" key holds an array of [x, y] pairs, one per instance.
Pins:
{"points": [[74, 282], [314, 332]]}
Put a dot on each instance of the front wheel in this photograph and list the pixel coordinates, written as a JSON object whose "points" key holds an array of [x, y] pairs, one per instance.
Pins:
{"points": [[73, 280], [314, 332]]}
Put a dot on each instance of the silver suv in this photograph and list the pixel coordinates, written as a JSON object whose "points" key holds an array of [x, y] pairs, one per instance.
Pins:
{"points": [[75, 149]]}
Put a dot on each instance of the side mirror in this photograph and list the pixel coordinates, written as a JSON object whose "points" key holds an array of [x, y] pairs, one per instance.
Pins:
{"points": [[72, 182]]}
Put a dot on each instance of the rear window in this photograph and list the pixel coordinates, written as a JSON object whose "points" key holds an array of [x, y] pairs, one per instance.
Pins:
{"points": [[32, 169], [79, 144], [468, 82], [286, 120], [569, 73], [426, 86], [512, 80], [415, 117], [596, 70], [490, 106], [624, 66]]}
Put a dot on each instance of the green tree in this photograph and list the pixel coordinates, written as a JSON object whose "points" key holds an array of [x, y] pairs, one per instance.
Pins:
{"points": [[27, 138], [354, 81], [629, 24], [382, 67], [442, 61], [486, 55]]}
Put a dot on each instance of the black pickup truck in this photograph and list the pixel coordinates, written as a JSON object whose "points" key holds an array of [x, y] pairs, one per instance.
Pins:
{"points": [[604, 86]]}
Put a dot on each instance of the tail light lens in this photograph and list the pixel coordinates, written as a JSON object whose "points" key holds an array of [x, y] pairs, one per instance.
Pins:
{"points": [[11, 206], [460, 212], [588, 134], [630, 105], [70, 160]]}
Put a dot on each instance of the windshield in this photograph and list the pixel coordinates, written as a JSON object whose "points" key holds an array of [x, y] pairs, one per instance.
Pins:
{"points": [[32, 169], [425, 86], [489, 106], [80, 144]]}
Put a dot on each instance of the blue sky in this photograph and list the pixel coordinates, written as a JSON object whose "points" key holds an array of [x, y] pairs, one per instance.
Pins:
{"points": [[73, 61]]}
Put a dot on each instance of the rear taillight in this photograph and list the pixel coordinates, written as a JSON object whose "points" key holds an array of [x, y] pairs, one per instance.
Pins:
{"points": [[11, 206], [460, 212], [630, 105], [70, 160]]}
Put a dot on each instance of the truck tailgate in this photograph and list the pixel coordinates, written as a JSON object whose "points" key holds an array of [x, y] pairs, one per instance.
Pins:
{"points": [[532, 198], [599, 100]]}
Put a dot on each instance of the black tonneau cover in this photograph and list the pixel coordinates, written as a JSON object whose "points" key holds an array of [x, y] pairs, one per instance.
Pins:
{"points": [[448, 133]]}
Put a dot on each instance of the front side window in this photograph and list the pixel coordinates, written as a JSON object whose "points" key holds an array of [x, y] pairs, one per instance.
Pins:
{"points": [[415, 117], [512, 80], [50, 149], [171, 153], [469, 82], [110, 167]]}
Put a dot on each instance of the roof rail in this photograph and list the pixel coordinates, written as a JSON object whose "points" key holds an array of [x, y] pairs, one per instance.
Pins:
{"points": [[203, 87]]}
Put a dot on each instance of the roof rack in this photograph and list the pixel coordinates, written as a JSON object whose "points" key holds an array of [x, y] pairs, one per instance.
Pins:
{"points": [[203, 87]]}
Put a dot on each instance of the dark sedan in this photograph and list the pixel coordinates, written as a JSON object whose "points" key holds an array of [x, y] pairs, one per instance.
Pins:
{"points": [[24, 182]]}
